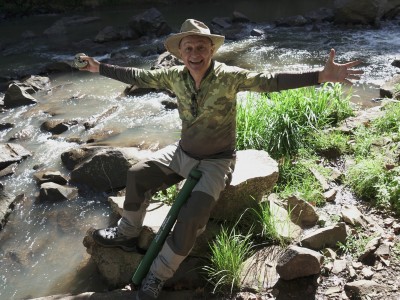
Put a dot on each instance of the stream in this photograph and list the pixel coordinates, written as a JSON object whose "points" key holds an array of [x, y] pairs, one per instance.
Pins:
{"points": [[41, 250]]}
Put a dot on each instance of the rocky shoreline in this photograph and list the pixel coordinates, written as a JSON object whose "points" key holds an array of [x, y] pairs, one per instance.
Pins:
{"points": [[296, 269]]}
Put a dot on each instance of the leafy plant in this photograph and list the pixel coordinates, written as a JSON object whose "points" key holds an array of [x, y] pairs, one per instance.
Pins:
{"points": [[280, 122], [355, 243], [390, 121], [396, 249], [167, 196], [331, 144], [364, 176], [295, 177], [388, 190], [229, 250], [363, 139]]}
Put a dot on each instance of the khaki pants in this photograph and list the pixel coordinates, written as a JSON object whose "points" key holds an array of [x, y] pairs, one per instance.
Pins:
{"points": [[167, 167]]}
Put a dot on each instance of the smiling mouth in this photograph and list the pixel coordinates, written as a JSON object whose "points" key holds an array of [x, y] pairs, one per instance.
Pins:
{"points": [[196, 62]]}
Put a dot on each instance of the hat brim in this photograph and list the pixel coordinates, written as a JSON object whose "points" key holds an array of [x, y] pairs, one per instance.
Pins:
{"points": [[172, 42]]}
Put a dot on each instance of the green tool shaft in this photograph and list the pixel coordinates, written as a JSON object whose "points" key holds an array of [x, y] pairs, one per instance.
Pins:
{"points": [[166, 227]]}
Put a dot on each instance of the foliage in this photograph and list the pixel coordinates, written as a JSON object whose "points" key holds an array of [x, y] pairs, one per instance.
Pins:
{"points": [[363, 140], [397, 88], [269, 224], [390, 122], [388, 190], [396, 250], [369, 178], [295, 177], [280, 122], [355, 244], [331, 144], [167, 196], [229, 251], [363, 177]]}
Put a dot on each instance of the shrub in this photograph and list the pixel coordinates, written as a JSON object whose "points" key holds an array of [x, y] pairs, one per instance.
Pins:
{"points": [[364, 176], [280, 122]]}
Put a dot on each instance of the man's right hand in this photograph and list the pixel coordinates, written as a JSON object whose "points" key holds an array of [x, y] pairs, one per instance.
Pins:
{"points": [[92, 66]]}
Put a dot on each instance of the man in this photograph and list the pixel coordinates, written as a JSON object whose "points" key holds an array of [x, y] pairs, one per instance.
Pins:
{"points": [[206, 91]]}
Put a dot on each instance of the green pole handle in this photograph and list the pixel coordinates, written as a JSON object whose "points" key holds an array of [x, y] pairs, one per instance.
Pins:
{"points": [[166, 226]]}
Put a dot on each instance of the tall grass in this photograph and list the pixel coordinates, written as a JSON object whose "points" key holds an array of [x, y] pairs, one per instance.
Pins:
{"points": [[279, 122], [369, 178], [267, 219], [229, 251], [295, 178], [390, 122], [363, 177]]}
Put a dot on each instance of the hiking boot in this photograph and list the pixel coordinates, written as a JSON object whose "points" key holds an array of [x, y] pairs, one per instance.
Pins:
{"points": [[151, 288], [111, 237]]}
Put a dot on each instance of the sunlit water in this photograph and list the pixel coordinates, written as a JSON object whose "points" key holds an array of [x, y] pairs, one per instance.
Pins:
{"points": [[41, 251]]}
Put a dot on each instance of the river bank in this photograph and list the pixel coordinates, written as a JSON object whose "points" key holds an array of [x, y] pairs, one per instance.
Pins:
{"points": [[49, 266]]}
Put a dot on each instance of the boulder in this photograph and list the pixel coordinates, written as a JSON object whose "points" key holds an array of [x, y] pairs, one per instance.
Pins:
{"points": [[166, 60], [57, 126], [62, 25], [299, 262], [388, 89], [330, 195], [363, 117], [365, 11], [96, 119], [259, 270], [111, 33], [106, 169], [255, 174], [396, 63], [392, 9], [17, 96], [9, 170], [5, 126], [363, 289], [37, 83], [283, 225], [351, 215], [24, 134], [7, 204], [325, 237], [301, 212], [11, 153], [117, 266], [50, 191], [58, 28], [292, 21], [150, 22], [321, 14], [50, 176], [74, 157], [359, 11], [240, 17]]}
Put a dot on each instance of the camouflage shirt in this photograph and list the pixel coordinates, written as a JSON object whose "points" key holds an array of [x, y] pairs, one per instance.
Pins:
{"points": [[208, 114]]}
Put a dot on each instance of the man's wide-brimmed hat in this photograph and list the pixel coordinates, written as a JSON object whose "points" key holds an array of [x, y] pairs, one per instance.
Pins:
{"points": [[192, 27]]}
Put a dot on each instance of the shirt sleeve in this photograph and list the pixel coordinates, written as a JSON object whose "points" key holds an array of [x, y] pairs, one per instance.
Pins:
{"points": [[142, 78], [267, 82]]}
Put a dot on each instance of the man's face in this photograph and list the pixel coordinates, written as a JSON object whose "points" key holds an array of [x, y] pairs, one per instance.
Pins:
{"points": [[196, 52]]}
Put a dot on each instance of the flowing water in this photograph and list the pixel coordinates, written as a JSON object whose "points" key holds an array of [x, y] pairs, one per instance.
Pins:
{"points": [[41, 251]]}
